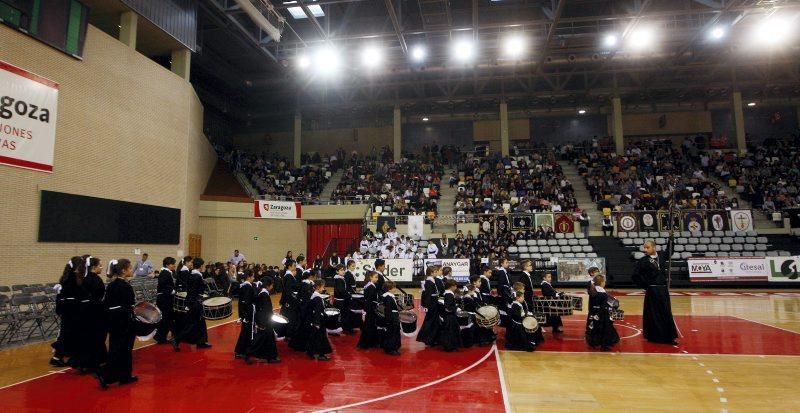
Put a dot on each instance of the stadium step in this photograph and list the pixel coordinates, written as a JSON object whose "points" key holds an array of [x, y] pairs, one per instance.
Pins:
{"points": [[619, 265], [582, 194], [333, 182], [447, 195]]}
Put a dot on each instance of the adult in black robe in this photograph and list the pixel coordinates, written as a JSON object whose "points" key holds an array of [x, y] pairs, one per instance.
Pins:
{"points": [[658, 323], [246, 313], [288, 299], [119, 301], [449, 332], [390, 340], [505, 291], [369, 333], [318, 346], [165, 298], [429, 332], [193, 330], [600, 331], [263, 345]]}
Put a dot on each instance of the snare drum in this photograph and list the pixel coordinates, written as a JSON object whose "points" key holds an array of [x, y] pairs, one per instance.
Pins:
{"points": [[487, 316], [577, 302], [463, 318], [530, 324], [404, 301], [357, 303], [333, 320], [147, 316], [552, 306], [617, 314], [280, 324], [179, 302], [217, 308], [408, 322], [612, 302]]}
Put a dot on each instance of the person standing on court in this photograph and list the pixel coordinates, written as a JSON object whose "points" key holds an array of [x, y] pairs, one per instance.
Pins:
{"points": [[165, 292], [658, 324], [144, 267]]}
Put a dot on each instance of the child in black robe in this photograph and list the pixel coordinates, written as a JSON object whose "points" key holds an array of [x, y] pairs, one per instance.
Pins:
{"points": [[391, 335], [600, 330], [483, 336], [165, 297], [369, 333], [516, 337], [263, 346], [92, 352], [299, 330], [549, 292], [119, 302], [429, 332], [469, 332], [318, 347], [247, 293], [450, 332], [68, 299], [342, 299], [349, 278], [193, 330]]}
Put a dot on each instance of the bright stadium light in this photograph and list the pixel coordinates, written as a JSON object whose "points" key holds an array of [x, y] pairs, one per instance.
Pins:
{"points": [[514, 46], [372, 57], [463, 50], [582, 112], [303, 62], [717, 33], [610, 40], [751, 104], [424, 119], [773, 31], [418, 53], [327, 60], [642, 38]]}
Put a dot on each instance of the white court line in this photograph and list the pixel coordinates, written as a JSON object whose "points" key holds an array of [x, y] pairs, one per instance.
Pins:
{"points": [[69, 368], [638, 332], [413, 389], [630, 353], [503, 388], [765, 324]]}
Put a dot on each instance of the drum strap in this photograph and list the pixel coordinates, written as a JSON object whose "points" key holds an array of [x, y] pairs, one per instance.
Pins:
{"points": [[116, 307], [518, 322]]}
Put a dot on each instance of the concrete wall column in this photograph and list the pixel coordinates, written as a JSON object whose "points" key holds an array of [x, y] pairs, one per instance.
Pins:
{"points": [[397, 134], [504, 141], [127, 28], [181, 63], [737, 111], [616, 118], [298, 129]]}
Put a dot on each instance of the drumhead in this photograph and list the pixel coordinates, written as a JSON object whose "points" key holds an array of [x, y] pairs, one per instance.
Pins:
{"points": [[462, 314], [488, 311], [530, 323], [277, 318], [331, 311], [354, 296], [216, 301], [181, 294], [325, 296], [147, 312], [408, 317]]}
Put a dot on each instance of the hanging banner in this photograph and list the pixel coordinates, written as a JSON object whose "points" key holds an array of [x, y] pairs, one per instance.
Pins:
{"points": [[784, 269], [486, 225], [718, 220], [648, 221], [544, 220], [565, 223], [416, 225], [28, 106], [522, 222], [501, 223], [742, 219], [693, 221], [728, 269], [576, 270], [460, 267], [663, 221], [627, 221], [385, 223], [397, 270], [277, 210]]}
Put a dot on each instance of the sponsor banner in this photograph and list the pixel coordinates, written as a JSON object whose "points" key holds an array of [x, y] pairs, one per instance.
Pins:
{"points": [[648, 221], [784, 268], [694, 221], [544, 220], [460, 267], [728, 269], [416, 225], [718, 220], [277, 209], [742, 220], [28, 106], [571, 270], [565, 223], [397, 270], [522, 222]]}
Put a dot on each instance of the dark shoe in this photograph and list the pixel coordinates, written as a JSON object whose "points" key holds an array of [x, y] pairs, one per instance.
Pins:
{"points": [[131, 379], [175, 345], [323, 357], [204, 345], [393, 353], [273, 361], [55, 361], [162, 341], [238, 356], [247, 360], [101, 380]]}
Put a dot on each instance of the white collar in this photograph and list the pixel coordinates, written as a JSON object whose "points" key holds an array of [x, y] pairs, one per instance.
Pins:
{"points": [[599, 289], [196, 272], [388, 294], [526, 273], [484, 277], [545, 282], [247, 283], [316, 294], [439, 277], [517, 303], [166, 269], [369, 284], [338, 277], [289, 272], [430, 278], [264, 290], [307, 281], [184, 268], [449, 292]]}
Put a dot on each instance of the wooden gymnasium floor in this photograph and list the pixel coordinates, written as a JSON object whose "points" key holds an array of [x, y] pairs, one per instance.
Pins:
{"points": [[740, 351]]}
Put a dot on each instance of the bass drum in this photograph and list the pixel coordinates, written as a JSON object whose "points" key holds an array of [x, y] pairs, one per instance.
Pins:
{"points": [[408, 322], [146, 318], [530, 324], [280, 324], [487, 316]]}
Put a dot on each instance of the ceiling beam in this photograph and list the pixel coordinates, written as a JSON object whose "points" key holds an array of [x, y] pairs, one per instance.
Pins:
{"points": [[396, 24], [313, 19]]}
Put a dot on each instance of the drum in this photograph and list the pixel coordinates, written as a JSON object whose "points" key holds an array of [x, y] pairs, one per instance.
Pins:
{"points": [[147, 316], [552, 306], [404, 301], [357, 303], [487, 316], [217, 308], [463, 318], [280, 325], [441, 301], [530, 324], [408, 322], [617, 314], [577, 302], [379, 310], [333, 320], [179, 302], [612, 302]]}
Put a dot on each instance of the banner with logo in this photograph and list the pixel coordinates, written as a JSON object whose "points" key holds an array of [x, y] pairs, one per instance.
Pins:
{"points": [[460, 267], [416, 225], [784, 269], [694, 221], [576, 270], [718, 220], [277, 209], [522, 222], [742, 220], [728, 269], [663, 221], [648, 221], [627, 221], [544, 220], [397, 270], [565, 223], [28, 108]]}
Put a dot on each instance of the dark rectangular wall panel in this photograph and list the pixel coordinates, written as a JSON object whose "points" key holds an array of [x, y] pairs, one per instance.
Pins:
{"points": [[178, 18]]}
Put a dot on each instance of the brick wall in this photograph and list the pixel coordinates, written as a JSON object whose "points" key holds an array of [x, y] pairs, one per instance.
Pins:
{"points": [[127, 129]]}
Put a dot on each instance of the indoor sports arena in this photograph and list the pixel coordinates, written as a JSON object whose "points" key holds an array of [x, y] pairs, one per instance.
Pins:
{"points": [[399, 205]]}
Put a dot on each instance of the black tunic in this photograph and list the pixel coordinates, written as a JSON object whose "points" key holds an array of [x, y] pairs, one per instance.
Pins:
{"points": [[119, 302], [318, 343], [549, 292], [92, 351], [429, 332], [263, 345], [380, 282], [439, 285], [342, 298], [164, 301], [657, 320], [194, 329], [516, 337], [350, 281], [299, 331], [246, 313], [527, 281], [600, 330], [506, 294], [486, 291], [391, 336], [182, 282], [469, 332], [449, 331], [369, 333], [68, 307]]}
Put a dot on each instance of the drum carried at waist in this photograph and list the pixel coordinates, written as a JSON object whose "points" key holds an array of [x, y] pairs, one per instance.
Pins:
{"points": [[146, 317], [552, 306], [530, 324], [357, 303], [464, 319], [487, 316], [280, 324], [333, 320], [404, 301], [217, 308], [408, 322]]}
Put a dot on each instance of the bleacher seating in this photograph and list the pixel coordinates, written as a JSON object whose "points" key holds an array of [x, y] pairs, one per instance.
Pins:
{"points": [[706, 243]]}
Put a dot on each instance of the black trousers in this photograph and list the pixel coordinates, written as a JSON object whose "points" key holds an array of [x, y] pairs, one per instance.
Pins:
{"points": [[164, 303], [120, 351]]}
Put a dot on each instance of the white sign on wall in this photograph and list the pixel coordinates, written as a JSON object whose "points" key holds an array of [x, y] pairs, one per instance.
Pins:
{"points": [[277, 209], [459, 266], [28, 106], [397, 270]]}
